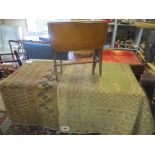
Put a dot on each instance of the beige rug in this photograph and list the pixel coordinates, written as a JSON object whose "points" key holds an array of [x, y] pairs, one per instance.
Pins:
{"points": [[29, 94]]}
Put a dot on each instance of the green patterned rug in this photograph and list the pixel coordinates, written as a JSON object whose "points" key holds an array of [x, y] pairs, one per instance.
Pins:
{"points": [[111, 104]]}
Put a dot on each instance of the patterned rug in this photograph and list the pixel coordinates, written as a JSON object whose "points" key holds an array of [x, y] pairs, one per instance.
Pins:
{"points": [[103, 105], [44, 96]]}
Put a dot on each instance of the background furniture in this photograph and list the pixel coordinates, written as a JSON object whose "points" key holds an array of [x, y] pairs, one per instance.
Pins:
{"points": [[147, 81], [119, 30], [149, 46], [7, 69], [17, 45], [40, 50]]}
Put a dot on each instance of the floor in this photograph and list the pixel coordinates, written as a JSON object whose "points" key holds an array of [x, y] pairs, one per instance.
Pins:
{"points": [[8, 128]]}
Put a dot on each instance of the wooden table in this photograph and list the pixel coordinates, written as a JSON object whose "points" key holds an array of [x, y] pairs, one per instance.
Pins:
{"points": [[145, 25]]}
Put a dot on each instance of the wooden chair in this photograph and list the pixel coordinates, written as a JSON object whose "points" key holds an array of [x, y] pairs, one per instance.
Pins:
{"points": [[74, 36]]}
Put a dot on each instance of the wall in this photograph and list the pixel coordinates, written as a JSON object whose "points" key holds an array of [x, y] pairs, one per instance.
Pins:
{"points": [[17, 22], [1, 21]]}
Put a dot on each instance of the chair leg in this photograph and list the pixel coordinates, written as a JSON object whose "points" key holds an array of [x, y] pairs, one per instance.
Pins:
{"points": [[12, 53], [18, 58], [100, 62], [61, 63], [13, 57], [55, 64], [0, 59], [94, 61]]}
